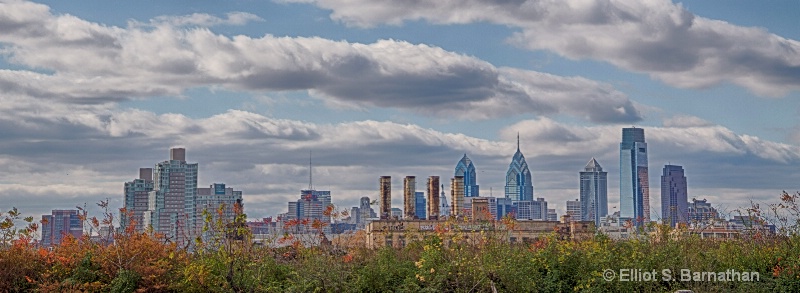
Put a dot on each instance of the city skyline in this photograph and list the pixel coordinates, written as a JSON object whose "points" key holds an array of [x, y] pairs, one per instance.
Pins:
{"points": [[91, 91]]}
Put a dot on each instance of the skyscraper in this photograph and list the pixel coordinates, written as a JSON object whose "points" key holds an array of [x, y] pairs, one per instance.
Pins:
{"points": [[594, 193], [519, 185], [433, 198], [386, 197], [457, 195], [420, 205], [171, 207], [410, 197], [674, 205], [136, 198], [466, 169], [634, 186], [59, 224]]}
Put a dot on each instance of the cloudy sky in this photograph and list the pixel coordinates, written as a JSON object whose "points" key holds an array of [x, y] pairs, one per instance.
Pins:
{"points": [[90, 91]]}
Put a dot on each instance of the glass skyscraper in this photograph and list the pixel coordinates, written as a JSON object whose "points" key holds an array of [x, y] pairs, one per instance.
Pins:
{"points": [[519, 185], [420, 205], [467, 169], [674, 204], [594, 193], [634, 187]]}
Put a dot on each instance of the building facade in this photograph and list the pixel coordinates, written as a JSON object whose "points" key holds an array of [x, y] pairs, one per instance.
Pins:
{"points": [[674, 205], [410, 197], [593, 193], [457, 196], [574, 210], [385, 205], [58, 224], [171, 208], [136, 200], [433, 198], [701, 212], [420, 205], [634, 185], [519, 185], [466, 169]]}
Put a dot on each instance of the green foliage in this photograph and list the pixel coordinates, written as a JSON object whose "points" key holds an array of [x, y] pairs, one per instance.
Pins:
{"points": [[126, 282]]}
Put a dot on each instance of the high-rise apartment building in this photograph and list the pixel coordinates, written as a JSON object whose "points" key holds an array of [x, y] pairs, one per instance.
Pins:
{"points": [[457, 196], [410, 197], [136, 200], [386, 197], [634, 186], [171, 204], [58, 225], [466, 169], [593, 193], [433, 198], [420, 205], [674, 205], [218, 196], [701, 212], [519, 185]]}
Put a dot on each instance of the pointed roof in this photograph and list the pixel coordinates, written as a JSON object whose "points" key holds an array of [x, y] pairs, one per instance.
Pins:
{"points": [[593, 165]]}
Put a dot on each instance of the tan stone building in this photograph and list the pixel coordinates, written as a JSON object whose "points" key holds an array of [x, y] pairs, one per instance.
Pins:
{"points": [[397, 233]]}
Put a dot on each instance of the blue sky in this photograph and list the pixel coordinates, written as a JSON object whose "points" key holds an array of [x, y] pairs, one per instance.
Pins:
{"points": [[93, 90]]}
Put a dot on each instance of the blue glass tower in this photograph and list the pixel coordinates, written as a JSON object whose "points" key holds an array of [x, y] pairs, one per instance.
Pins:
{"points": [[420, 205], [519, 185], [594, 193], [467, 169], [634, 186], [674, 203]]}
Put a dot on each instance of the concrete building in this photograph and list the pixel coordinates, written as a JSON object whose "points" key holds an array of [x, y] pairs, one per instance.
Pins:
{"points": [[58, 224], [593, 193], [433, 198], [136, 200], [634, 185], [420, 205], [410, 197], [674, 205], [482, 208], [218, 196], [171, 208], [552, 215], [386, 197], [519, 185], [457, 196], [466, 169], [401, 233], [701, 212]]}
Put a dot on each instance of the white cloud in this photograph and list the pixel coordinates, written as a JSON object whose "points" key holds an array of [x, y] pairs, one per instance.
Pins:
{"points": [[165, 59], [655, 37]]}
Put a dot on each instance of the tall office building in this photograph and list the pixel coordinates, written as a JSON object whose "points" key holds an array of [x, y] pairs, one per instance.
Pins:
{"points": [[594, 193], [419, 205], [634, 186], [574, 210], [386, 197], [136, 198], [433, 198], [171, 204], [674, 205], [466, 169], [410, 197], [58, 225], [701, 212], [457, 195], [519, 185]]}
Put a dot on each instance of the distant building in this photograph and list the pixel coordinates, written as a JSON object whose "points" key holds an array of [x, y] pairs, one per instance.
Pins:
{"points": [[634, 185], [444, 207], [466, 169], [397, 213], [171, 209], [593, 193], [433, 198], [552, 215], [218, 196], [58, 225], [420, 205], [531, 209], [574, 210], [701, 212], [505, 206], [483, 208], [136, 200], [519, 185], [385, 197], [674, 207], [410, 197], [457, 196]]}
